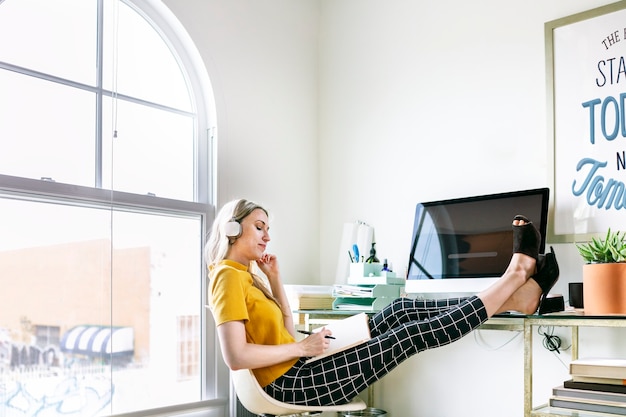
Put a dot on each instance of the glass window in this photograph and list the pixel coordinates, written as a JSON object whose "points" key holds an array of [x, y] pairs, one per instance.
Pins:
{"points": [[102, 283], [151, 151], [51, 34], [37, 130], [101, 292], [188, 347], [46, 337], [93, 86], [133, 50]]}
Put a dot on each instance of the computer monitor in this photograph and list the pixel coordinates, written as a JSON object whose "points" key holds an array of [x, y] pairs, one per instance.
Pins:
{"points": [[461, 246]]}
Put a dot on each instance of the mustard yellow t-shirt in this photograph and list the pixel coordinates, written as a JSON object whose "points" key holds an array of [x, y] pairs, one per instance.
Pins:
{"points": [[232, 297]]}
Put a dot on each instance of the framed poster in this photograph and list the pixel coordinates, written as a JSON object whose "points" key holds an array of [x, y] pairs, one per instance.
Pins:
{"points": [[586, 74]]}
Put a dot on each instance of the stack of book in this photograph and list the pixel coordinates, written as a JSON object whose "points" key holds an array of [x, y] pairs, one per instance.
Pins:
{"points": [[310, 297], [597, 384]]}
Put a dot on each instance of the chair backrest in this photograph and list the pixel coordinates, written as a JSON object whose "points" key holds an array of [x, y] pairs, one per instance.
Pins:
{"points": [[257, 401]]}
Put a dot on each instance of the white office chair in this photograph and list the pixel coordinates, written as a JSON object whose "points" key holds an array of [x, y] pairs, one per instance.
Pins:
{"points": [[257, 401]]}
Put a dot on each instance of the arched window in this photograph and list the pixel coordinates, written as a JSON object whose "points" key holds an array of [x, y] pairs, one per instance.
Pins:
{"points": [[93, 94], [106, 123]]}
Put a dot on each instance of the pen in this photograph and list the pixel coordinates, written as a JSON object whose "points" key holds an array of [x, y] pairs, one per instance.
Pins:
{"points": [[355, 249], [310, 333]]}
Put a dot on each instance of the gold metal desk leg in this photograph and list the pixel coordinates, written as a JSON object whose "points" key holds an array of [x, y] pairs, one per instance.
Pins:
{"points": [[574, 343], [528, 368]]}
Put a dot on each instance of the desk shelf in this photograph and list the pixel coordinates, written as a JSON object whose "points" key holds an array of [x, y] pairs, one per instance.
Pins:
{"points": [[574, 321], [515, 323], [547, 411]]}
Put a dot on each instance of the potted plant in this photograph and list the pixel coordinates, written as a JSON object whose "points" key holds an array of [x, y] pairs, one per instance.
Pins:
{"points": [[604, 274]]}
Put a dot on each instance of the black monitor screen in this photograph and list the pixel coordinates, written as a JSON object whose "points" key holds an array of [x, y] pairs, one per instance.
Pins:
{"points": [[471, 237]]}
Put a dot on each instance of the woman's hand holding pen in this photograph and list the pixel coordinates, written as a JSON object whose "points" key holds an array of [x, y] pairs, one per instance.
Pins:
{"points": [[316, 343]]}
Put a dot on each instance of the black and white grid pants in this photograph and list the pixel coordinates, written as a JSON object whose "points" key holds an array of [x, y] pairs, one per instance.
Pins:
{"points": [[400, 330]]}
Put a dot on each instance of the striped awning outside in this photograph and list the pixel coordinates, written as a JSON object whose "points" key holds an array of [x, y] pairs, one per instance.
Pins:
{"points": [[98, 340]]}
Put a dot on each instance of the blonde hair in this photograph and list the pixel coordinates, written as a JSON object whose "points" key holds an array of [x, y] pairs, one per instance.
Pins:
{"points": [[218, 244]]}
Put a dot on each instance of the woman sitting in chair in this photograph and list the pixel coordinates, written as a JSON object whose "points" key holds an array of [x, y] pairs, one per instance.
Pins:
{"points": [[255, 323]]}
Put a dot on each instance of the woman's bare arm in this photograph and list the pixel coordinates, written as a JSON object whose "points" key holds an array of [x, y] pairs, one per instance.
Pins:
{"points": [[239, 354], [269, 265]]}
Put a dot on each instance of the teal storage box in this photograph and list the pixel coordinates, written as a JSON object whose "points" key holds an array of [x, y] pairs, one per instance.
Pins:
{"points": [[361, 303], [367, 291]]}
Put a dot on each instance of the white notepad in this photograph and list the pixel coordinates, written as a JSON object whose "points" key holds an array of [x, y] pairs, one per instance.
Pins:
{"points": [[349, 332]]}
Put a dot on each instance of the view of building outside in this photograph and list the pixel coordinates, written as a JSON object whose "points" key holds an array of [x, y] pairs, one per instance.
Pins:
{"points": [[100, 310]]}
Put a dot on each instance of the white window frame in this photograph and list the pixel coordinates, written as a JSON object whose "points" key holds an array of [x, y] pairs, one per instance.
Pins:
{"points": [[215, 375]]}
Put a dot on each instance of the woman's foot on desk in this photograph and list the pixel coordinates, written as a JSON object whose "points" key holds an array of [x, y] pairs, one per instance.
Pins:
{"points": [[529, 298], [547, 275], [526, 237], [512, 291]]}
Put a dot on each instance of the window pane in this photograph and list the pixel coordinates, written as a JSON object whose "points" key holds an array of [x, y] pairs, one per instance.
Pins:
{"points": [[51, 34], [137, 62], [46, 130], [86, 318], [153, 151], [168, 249]]}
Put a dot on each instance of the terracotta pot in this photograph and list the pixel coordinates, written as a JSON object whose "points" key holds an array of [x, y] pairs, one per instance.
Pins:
{"points": [[604, 288]]}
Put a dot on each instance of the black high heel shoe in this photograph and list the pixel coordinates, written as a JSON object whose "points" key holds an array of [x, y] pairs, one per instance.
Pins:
{"points": [[526, 238], [547, 275]]}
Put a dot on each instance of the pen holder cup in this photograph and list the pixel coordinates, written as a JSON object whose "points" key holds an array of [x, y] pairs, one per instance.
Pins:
{"points": [[364, 269]]}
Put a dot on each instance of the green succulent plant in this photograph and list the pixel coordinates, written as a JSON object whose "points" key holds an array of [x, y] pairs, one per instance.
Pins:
{"points": [[610, 250]]}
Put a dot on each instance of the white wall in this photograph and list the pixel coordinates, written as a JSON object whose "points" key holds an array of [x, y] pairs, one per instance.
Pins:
{"points": [[262, 59], [422, 101], [335, 110], [428, 100]]}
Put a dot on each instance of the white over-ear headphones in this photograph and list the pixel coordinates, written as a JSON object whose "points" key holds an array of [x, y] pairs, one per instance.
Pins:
{"points": [[232, 228]]}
